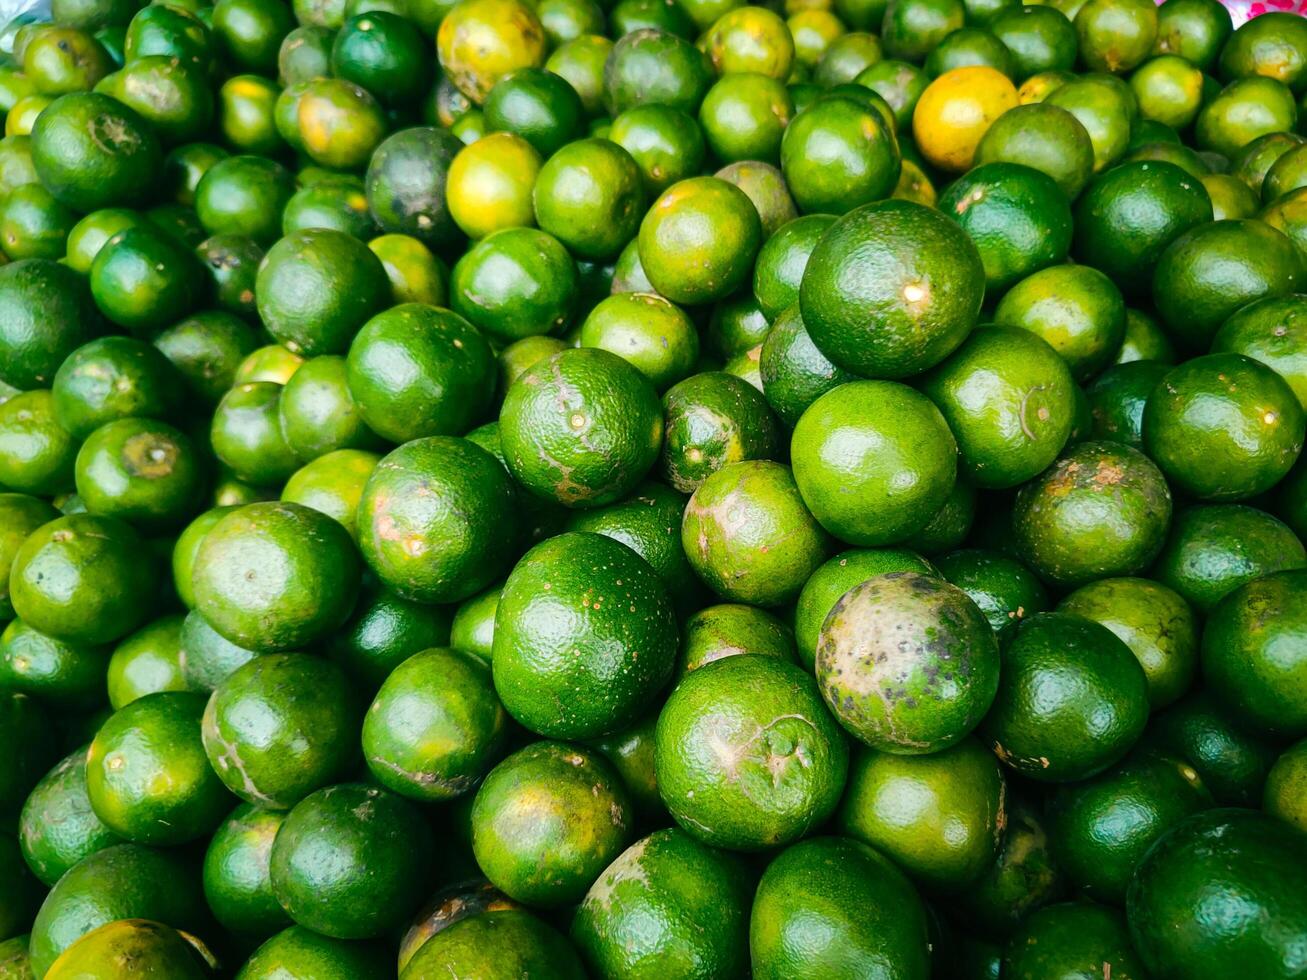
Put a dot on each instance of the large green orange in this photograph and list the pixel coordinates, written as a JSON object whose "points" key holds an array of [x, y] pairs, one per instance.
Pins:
{"points": [[582, 427], [1223, 427], [749, 535], [1076, 309], [698, 240], [1209, 272], [1008, 399], [1102, 828], [837, 154], [83, 579], [275, 576], [938, 816], [415, 370], [1072, 699], [91, 151], [435, 726], [1252, 654], [873, 441], [831, 907], [1102, 509], [547, 820], [1017, 216], [146, 775], [891, 289], [351, 861], [1216, 548], [747, 755], [584, 636], [1222, 893], [280, 727], [694, 897], [316, 287], [437, 521]]}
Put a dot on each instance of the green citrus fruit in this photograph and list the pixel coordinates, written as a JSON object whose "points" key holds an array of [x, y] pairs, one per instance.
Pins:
{"points": [[939, 817], [749, 535], [435, 726], [891, 289], [831, 906], [547, 820], [747, 756], [873, 441], [1072, 699], [907, 663], [582, 676], [350, 861], [146, 774]]}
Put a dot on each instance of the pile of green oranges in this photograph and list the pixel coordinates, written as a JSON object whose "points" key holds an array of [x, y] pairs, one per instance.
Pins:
{"points": [[653, 490]]}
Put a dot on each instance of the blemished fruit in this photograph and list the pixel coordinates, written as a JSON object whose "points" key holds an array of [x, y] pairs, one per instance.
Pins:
{"points": [[662, 488], [907, 663]]}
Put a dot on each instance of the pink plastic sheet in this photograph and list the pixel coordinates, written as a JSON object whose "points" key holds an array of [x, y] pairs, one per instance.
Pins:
{"points": [[1244, 10]]}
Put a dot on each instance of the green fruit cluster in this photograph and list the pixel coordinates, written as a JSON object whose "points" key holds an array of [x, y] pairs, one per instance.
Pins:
{"points": [[653, 490]]}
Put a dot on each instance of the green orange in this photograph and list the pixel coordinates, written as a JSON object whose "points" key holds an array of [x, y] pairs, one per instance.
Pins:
{"points": [[834, 906], [435, 726], [415, 370], [747, 756], [547, 820], [1072, 699], [1223, 427], [155, 735], [275, 576], [749, 535], [938, 816], [699, 239], [351, 861], [560, 678], [873, 440], [582, 427], [1251, 654], [279, 727], [907, 662], [891, 289], [448, 542], [1101, 829], [1076, 309], [1213, 549]]}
